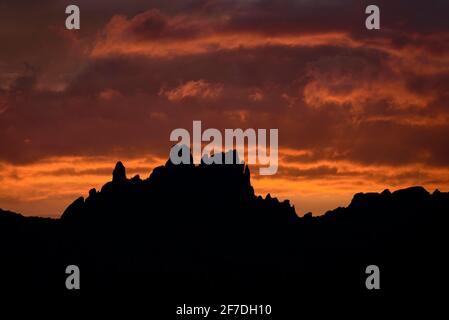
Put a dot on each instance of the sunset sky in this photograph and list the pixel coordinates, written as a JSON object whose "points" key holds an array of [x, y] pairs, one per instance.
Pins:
{"points": [[357, 110]]}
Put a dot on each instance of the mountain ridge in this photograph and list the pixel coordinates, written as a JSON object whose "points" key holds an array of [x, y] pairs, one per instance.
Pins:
{"points": [[201, 225]]}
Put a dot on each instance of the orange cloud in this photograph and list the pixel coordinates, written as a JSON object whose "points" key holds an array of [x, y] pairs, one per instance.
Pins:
{"points": [[109, 94], [154, 34], [343, 80], [212, 43], [199, 88]]}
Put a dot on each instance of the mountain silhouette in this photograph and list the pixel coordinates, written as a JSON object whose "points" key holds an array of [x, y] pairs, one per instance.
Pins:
{"points": [[200, 229]]}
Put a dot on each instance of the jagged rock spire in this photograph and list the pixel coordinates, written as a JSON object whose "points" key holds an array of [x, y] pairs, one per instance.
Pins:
{"points": [[119, 173]]}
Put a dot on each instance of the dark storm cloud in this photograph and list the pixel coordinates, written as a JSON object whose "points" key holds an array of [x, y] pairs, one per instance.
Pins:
{"points": [[320, 94]]}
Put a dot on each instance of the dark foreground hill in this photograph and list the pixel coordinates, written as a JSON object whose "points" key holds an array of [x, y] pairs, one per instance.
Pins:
{"points": [[200, 231]]}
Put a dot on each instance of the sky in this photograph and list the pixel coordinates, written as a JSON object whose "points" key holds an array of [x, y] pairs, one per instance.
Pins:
{"points": [[357, 110]]}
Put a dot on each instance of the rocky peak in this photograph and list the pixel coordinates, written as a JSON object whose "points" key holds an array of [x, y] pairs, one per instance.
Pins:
{"points": [[119, 173]]}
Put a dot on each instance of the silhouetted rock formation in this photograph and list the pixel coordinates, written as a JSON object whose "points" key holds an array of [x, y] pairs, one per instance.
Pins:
{"points": [[206, 219], [119, 173]]}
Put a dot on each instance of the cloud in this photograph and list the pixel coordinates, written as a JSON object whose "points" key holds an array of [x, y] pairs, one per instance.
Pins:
{"points": [[195, 88], [358, 82], [109, 94]]}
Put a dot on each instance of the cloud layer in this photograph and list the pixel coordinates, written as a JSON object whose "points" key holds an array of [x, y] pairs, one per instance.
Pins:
{"points": [[363, 109]]}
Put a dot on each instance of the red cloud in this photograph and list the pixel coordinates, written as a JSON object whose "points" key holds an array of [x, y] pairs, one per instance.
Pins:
{"points": [[199, 88]]}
